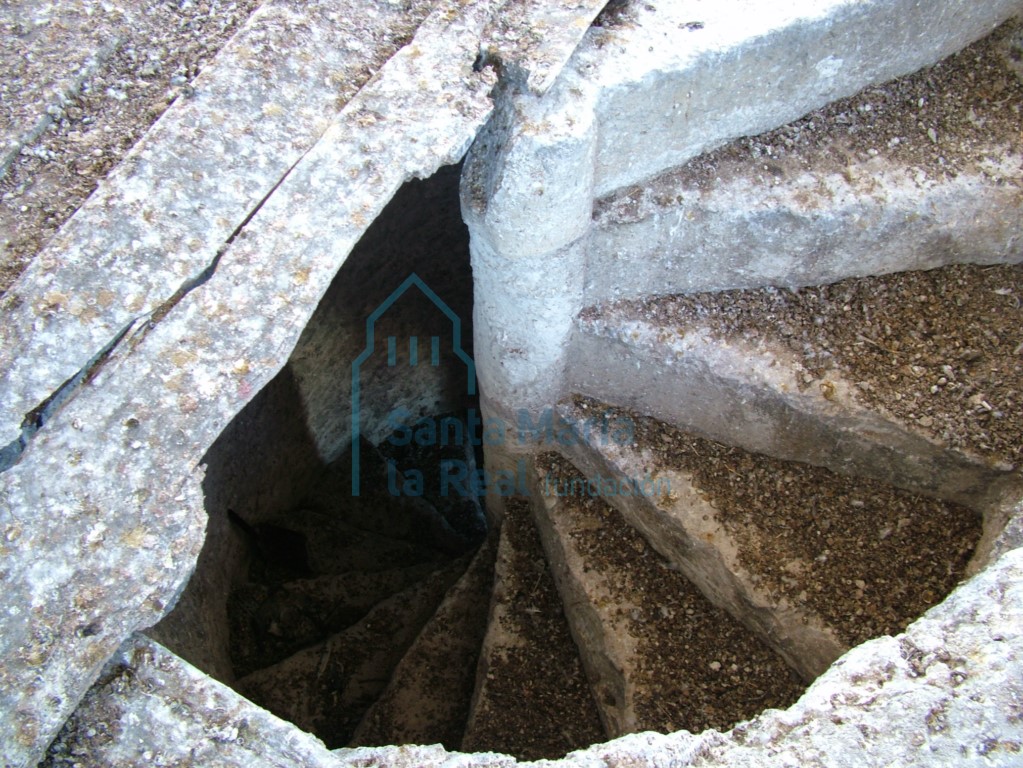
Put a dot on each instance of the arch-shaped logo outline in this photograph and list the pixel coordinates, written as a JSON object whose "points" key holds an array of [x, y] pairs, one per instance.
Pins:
{"points": [[456, 340]]}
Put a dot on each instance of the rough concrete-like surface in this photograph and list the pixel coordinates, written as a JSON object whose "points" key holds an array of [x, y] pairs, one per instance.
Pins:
{"points": [[754, 395], [664, 84], [111, 487], [530, 41], [152, 710], [532, 698], [427, 699], [658, 654], [740, 68], [683, 526], [46, 52], [946, 692], [865, 186], [163, 215]]}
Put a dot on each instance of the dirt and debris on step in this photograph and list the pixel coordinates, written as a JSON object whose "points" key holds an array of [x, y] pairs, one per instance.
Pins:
{"points": [[429, 696], [961, 115], [939, 349], [698, 667], [537, 701], [165, 47], [866, 557]]}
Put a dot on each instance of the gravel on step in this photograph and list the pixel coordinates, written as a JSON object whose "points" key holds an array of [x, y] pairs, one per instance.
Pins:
{"points": [[940, 349], [867, 557], [537, 702], [961, 115], [164, 47], [698, 667]]}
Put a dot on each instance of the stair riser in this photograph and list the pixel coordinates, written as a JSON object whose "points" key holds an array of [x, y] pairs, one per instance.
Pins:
{"points": [[737, 396], [605, 655], [703, 552]]}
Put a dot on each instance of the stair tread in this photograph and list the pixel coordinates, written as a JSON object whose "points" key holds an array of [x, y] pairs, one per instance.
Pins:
{"points": [[428, 698], [327, 688], [935, 372], [849, 376], [532, 700], [863, 557], [269, 624], [659, 655]]}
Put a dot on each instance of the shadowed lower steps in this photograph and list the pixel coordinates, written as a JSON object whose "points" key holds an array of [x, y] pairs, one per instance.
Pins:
{"points": [[327, 688], [428, 698], [658, 654], [532, 699]]}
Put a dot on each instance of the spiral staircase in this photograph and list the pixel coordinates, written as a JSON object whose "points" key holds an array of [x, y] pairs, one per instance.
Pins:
{"points": [[746, 431]]}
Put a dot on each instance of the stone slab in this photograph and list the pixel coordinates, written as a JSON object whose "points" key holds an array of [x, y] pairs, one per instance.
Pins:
{"points": [[112, 486], [684, 528], [160, 219], [427, 699]]}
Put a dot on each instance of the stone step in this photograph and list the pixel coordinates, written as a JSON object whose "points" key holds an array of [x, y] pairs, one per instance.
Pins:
{"points": [[915, 173], [531, 699], [812, 561], [428, 698], [909, 378], [268, 624], [326, 689], [658, 654]]}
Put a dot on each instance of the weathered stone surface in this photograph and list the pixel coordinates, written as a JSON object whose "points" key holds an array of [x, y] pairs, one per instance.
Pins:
{"points": [[864, 187], [684, 528], [427, 699], [150, 708], [531, 40], [327, 688], [111, 486], [753, 395], [647, 636], [807, 228], [660, 87], [945, 692], [164, 214], [550, 710]]}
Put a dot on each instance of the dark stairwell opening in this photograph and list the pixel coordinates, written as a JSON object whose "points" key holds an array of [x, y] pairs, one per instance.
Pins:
{"points": [[306, 596]]}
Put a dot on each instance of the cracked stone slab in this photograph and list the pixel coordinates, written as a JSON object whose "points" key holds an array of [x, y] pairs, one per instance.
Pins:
{"points": [[532, 40], [159, 220], [103, 518]]}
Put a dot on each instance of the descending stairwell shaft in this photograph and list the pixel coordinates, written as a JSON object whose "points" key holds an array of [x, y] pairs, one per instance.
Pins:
{"points": [[690, 513]]}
